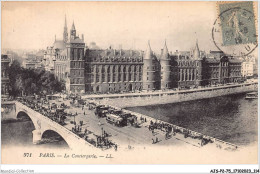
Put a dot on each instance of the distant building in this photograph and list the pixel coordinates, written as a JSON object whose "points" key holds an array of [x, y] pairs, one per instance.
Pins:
{"points": [[32, 60], [93, 46], [4, 76]]}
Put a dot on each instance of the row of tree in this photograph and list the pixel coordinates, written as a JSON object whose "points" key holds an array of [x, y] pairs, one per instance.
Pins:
{"points": [[32, 81]]}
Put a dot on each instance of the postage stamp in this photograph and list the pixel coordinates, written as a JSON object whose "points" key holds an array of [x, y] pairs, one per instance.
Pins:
{"points": [[234, 31], [237, 23]]}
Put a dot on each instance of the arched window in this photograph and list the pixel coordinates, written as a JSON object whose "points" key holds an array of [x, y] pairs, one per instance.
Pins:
{"points": [[114, 73], [124, 71], [108, 74], [119, 73], [130, 73]]}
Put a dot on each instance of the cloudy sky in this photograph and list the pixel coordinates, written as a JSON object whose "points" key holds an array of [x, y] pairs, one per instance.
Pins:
{"points": [[33, 25]]}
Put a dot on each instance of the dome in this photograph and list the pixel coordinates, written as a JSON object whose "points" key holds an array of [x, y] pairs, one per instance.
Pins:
{"points": [[59, 44]]}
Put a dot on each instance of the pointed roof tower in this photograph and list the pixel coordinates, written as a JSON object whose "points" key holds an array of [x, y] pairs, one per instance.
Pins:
{"points": [[65, 24], [73, 26], [65, 32], [196, 53], [148, 52], [165, 52]]}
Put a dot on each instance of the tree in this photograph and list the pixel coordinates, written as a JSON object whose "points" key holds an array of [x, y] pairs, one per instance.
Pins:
{"points": [[32, 81]]}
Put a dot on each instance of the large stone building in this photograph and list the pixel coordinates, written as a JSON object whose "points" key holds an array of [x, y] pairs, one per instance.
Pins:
{"points": [[4, 77], [95, 70]]}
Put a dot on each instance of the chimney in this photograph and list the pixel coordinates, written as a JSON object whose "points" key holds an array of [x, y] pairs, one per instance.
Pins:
{"points": [[131, 52], [161, 51], [114, 52], [82, 37]]}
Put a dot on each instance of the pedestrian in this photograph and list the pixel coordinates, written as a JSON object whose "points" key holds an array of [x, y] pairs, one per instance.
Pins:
{"points": [[115, 147], [153, 140], [157, 140]]}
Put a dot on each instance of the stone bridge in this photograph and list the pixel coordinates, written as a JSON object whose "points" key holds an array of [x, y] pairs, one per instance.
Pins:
{"points": [[43, 124]]}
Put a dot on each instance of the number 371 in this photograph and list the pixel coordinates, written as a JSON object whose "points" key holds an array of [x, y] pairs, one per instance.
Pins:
{"points": [[27, 155]]}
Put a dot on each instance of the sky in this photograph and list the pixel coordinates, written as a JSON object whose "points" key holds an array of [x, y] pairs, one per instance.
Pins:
{"points": [[33, 25]]}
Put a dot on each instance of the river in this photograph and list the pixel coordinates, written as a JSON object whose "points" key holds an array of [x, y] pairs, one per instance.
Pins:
{"points": [[19, 134], [230, 118]]}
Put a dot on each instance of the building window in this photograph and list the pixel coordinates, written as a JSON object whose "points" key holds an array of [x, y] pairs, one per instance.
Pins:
{"points": [[125, 76], [92, 78], [114, 77], [103, 77], [119, 77], [75, 54], [97, 78]]}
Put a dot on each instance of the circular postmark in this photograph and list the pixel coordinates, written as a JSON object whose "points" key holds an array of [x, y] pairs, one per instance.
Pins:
{"points": [[234, 32]]}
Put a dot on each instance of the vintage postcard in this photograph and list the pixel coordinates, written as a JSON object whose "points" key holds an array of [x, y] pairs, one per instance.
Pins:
{"points": [[129, 82]]}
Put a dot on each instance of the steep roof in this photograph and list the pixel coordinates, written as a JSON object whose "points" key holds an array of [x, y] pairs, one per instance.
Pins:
{"points": [[196, 53], [234, 60], [112, 53], [76, 40], [148, 53], [165, 52], [212, 60]]}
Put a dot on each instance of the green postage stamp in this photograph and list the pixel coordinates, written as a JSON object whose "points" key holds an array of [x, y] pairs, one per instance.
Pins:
{"points": [[237, 22]]}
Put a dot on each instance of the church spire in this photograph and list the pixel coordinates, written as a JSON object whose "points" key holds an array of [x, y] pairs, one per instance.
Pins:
{"points": [[65, 32]]}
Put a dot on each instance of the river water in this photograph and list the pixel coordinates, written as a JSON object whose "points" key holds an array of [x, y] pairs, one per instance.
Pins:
{"points": [[19, 134], [230, 118]]}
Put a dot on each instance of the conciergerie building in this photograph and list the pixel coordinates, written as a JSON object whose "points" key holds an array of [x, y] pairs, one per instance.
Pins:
{"points": [[110, 70]]}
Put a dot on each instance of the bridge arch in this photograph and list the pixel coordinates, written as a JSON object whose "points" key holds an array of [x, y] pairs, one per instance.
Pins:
{"points": [[63, 135], [21, 114], [49, 133]]}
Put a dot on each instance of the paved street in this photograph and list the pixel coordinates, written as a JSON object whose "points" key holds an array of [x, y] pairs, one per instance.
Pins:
{"points": [[127, 136]]}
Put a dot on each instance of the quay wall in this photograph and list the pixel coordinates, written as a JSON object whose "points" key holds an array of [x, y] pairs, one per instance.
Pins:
{"points": [[153, 98]]}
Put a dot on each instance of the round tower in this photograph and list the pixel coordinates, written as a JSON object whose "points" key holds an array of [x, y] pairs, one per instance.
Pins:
{"points": [[165, 68], [149, 69]]}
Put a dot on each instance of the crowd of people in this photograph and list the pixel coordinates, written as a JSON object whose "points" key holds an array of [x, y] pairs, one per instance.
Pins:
{"points": [[171, 130], [43, 106]]}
